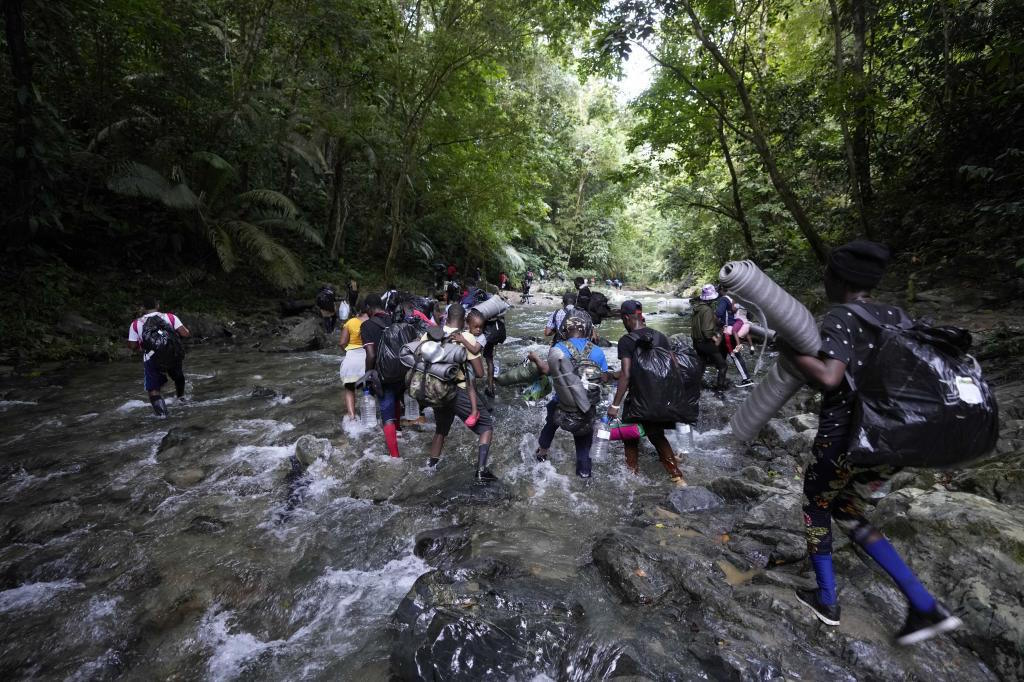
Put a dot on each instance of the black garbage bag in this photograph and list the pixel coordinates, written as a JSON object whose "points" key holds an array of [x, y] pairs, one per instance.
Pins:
{"points": [[922, 401], [691, 367], [657, 392]]}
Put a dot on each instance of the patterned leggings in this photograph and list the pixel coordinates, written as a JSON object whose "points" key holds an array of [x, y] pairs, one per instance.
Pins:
{"points": [[835, 489]]}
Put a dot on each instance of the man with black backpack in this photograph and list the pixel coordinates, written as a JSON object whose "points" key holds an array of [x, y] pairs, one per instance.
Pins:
{"points": [[834, 486], [383, 340], [635, 377], [159, 336]]}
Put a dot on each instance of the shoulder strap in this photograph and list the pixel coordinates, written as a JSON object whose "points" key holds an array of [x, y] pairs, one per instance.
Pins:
{"points": [[868, 317]]}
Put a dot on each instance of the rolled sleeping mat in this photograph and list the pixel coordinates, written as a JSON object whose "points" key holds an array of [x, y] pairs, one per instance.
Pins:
{"points": [[673, 305], [518, 375], [568, 386], [491, 308], [450, 353], [446, 371], [787, 316], [758, 332], [792, 321]]}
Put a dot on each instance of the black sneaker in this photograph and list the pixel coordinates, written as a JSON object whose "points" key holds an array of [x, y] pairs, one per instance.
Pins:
{"points": [[829, 615], [539, 457], [744, 384], [922, 626], [485, 476], [432, 462]]}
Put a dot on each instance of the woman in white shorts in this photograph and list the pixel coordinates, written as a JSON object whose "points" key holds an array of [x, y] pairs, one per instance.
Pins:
{"points": [[354, 364]]}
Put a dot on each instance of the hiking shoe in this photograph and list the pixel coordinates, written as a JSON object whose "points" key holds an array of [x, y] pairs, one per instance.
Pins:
{"points": [[921, 626], [432, 462], [744, 384], [539, 457], [485, 476], [829, 615]]}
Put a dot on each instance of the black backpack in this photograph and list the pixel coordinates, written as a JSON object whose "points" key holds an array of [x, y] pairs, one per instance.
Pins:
{"points": [[495, 331], [389, 348], [921, 400], [657, 390], [325, 298], [159, 338]]}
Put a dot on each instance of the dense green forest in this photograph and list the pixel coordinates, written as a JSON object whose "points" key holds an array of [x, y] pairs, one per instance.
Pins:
{"points": [[212, 146]]}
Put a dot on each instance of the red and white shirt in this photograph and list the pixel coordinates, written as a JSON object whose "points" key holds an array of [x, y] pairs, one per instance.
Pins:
{"points": [[135, 331]]}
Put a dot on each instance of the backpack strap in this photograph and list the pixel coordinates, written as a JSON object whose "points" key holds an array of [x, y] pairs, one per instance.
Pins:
{"points": [[868, 317]]}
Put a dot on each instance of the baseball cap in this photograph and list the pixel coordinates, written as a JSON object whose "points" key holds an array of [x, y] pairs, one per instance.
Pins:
{"points": [[629, 307]]}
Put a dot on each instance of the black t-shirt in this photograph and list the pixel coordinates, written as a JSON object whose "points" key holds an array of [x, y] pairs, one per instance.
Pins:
{"points": [[627, 345], [583, 298], [845, 338], [373, 328]]}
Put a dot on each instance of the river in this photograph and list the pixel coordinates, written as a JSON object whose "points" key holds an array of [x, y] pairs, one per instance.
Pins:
{"points": [[194, 548]]}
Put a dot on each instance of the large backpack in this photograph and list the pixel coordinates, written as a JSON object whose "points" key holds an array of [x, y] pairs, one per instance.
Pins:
{"points": [[921, 400], [691, 368], [657, 390], [325, 298], [389, 349], [578, 391], [432, 384], [159, 338], [495, 331]]}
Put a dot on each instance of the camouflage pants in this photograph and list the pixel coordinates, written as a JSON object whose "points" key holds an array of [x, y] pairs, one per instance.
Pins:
{"points": [[834, 489]]}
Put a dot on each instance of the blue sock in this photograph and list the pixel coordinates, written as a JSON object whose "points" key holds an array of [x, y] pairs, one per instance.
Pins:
{"points": [[882, 551], [826, 578]]}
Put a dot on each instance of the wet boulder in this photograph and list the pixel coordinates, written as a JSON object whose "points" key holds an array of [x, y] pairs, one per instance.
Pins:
{"points": [[458, 630], [970, 552], [73, 324], [444, 547], [263, 392], [693, 499], [1002, 481], [309, 449], [202, 326], [306, 335], [633, 572], [179, 442]]}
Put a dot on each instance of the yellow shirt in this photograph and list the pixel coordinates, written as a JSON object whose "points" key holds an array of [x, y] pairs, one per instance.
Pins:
{"points": [[354, 338]]}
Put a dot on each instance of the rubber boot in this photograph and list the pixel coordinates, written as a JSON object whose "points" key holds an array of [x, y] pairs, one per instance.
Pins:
{"points": [[159, 406]]}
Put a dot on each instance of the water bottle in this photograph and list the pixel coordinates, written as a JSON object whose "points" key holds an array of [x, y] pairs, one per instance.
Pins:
{"points": [[412, 408], [368, 409], [602, 434], [684, 438]]}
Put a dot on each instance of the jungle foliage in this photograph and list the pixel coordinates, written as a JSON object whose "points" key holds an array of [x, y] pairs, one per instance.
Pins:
{"points": [[268, 138]]}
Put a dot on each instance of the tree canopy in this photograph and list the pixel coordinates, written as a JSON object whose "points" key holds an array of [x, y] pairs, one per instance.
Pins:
{"points": [[379, 136]]}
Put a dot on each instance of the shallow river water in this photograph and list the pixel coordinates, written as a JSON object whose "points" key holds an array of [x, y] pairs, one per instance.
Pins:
{"points": [[196, 547], [207, 557]]}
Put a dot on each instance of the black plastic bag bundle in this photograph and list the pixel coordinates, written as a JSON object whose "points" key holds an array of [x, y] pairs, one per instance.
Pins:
{"points": [[691, 367], [921, 399], [657, 392], [389, 364]]}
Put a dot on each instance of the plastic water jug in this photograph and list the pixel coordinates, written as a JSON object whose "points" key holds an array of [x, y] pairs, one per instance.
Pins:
{"points": [[368, 409], [684, 438], [602, 435]]}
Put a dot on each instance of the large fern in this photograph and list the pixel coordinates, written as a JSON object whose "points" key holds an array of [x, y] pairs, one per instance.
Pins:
{"points": [[238, 227]]}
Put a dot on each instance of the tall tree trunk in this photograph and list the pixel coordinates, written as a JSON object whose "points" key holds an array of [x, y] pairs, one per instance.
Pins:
{"points": [[339, 205], [862, 113], [844, 123], [741, 215], [760, 141], [24, 130], [397, 194]]}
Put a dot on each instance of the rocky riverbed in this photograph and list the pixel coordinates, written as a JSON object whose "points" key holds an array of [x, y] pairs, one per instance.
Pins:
{"points": [[253, 535]]}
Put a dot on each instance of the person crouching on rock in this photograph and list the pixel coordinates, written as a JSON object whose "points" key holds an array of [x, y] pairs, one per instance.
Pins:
{"points": [[834, 488]]}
